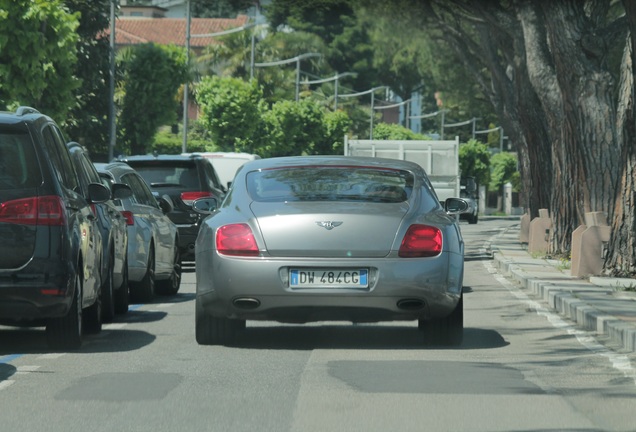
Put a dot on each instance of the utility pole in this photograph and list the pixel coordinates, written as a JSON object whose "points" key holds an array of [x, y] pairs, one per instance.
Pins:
{"points": [[111, 108], [186, 102], [296, 59]]}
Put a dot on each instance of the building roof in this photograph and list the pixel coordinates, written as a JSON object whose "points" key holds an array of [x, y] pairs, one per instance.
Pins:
{"points": [[166, 31]]}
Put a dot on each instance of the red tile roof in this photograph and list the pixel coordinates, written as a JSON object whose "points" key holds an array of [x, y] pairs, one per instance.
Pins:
{"points": [[165, 31]]}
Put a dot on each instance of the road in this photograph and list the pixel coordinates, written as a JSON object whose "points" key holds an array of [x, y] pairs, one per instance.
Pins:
{"points": [[517, 370]]}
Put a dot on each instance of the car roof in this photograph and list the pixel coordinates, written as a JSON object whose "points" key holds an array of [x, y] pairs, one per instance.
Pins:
{"points": [[335, 160], [116, 168], [222, 155], [22, 113], [159, 157]]}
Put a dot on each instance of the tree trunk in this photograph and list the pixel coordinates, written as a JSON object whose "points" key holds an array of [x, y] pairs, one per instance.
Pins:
{"points": [[576, 91], [621, 257]]}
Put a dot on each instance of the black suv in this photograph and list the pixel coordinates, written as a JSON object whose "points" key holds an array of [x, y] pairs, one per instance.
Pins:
{"points": [[51, 247], [183, 179]]}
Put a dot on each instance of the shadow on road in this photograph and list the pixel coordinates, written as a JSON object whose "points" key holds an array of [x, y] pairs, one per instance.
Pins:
{"points": [[356, 337]]}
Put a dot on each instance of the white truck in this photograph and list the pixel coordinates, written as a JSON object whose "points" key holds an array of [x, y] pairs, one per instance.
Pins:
{"points": [[440, 159]]}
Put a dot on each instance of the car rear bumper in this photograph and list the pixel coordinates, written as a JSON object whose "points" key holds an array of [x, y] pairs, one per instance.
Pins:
{"points": [[399, 289], [187, 239], [23, 299]]}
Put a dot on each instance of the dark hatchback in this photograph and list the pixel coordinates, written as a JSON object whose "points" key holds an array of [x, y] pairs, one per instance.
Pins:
{"points": [[50, 244], [184, 179]]}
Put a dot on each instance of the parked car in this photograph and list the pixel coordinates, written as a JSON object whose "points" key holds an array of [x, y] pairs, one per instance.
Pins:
{"points": [[183, 179], [112, 226], [154, 261], [51, 246], [315, 238], [468, 191], [227, 163]]}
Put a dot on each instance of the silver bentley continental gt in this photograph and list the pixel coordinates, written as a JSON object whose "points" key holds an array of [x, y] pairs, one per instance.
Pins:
{"points": [[329, 238]]}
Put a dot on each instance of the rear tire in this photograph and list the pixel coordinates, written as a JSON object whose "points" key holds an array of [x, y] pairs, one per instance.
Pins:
{"points": [[171, 285], [122, 295], [144, 291], [445, 331], [108, 295], [66, 332], [93, 316], [215, 331]]}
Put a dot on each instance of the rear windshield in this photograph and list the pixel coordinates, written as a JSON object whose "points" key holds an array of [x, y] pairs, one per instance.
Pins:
{"points": [[330, 183], [19, 166], [173, 174]]}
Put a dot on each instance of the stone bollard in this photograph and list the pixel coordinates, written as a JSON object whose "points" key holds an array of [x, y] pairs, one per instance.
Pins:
{"points": [[524, 231], [508, 198], [539, 233], [587, 245]]}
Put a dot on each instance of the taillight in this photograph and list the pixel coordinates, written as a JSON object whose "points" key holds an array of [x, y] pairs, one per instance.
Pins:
{"points": [[189, 197], [44, 210], [421, 241], [237, 240], [129, 216]]}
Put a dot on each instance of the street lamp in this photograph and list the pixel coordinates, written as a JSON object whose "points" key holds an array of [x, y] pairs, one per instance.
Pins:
{"points": [[334, 78], [464, 123], [442, 112], [372, 91], [406, 117], [296, 59]]}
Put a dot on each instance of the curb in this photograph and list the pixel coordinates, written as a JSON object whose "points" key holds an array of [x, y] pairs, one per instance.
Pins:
{"points": [[591, 303]]}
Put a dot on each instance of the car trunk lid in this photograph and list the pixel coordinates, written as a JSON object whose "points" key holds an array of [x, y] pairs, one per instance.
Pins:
{"points": [[328, 229]]}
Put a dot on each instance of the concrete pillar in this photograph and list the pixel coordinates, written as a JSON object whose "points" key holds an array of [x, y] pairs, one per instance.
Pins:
{"points": [[508, 198], [539, 233], [524, 230], [587, 245], [482, 200]]}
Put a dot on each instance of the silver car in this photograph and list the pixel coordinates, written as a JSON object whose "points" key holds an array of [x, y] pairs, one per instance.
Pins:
{"points": [[154, 262], [324, 238]]}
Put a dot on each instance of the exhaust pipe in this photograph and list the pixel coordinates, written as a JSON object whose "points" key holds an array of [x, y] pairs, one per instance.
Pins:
{"points": [[246, 303], [411, 304]]}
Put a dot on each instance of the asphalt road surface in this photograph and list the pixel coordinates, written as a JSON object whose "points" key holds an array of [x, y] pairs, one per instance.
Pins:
{"points": [[520, 368]]}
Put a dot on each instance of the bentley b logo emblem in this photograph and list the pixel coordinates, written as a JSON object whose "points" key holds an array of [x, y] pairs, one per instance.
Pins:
{"points": [[328, 225]]}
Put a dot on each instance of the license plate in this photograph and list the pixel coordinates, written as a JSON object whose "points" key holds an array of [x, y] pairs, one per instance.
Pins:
{"points": [[329, 278]]}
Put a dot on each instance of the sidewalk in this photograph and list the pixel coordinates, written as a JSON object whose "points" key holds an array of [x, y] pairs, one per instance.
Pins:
{"points": [[597, 304]]}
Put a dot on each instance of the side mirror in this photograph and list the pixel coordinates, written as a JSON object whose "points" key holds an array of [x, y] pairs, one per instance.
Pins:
{"points": [[98, 193], [455, 205], [205, 205], [121, 191], [165, 204]]}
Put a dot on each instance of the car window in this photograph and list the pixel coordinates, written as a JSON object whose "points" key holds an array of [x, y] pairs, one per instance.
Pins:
{"points": [[170, 174], [19, 166], [60, 158], [211, 176], [141, 193], [329, 183]]}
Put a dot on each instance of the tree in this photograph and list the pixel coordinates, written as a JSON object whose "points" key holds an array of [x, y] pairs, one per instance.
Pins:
{"points": [[551, 71], [38, 54], [474, 161], [621, 257], [88, 121], [152, 75], [503, 168], [391, 131], [231, 111]]}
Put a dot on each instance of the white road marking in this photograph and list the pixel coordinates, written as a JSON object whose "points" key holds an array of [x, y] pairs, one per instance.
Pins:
{"points": [[6, 383], [619, 362]]}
